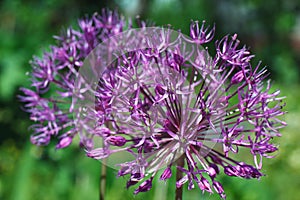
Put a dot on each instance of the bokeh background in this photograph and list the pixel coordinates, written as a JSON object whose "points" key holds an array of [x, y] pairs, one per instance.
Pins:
{"points": [[270, 28]]}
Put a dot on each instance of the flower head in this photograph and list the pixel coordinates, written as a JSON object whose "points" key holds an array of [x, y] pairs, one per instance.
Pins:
{"points": [[55, 74], [162, 100]]}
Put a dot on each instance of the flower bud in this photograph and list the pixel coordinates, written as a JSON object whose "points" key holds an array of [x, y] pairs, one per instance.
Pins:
{"points": [[219, 189], [116, 140], [160, 90], [64, 142], [145, 186], [166, 174], [97, 154]]}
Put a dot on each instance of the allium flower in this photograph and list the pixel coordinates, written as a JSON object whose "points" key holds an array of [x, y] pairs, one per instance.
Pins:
{"points": [[162, 103], [55, 73]]}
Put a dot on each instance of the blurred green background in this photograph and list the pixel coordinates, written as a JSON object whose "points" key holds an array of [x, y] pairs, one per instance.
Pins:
{"points": [[270, 28]]}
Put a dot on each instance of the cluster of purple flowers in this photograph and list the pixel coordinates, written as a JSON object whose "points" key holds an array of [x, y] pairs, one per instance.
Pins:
{"points": [[56, 72], [159, 105]]}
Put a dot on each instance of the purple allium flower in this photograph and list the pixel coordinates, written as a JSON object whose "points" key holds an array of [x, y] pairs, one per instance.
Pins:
{"points": [[159, 103], [55, 74]]}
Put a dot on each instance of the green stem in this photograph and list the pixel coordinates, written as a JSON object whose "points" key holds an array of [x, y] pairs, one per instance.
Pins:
{"points": [[180, 162], [102, 186]]}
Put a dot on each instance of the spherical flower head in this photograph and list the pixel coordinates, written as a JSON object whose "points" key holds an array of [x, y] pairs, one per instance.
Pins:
{"points": [[50, 100], [156, 97], [167, 99]]}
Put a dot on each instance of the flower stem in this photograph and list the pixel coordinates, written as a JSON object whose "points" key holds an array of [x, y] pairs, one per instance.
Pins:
{"points": [[180, 163], [102, 180]]}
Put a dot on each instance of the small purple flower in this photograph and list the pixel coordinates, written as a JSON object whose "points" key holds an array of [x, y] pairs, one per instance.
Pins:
{"points": [[166, 174], [145, 186], [219, 189], [116, 140], [204, 185], [97, 153], [227, 50], [64, 142], [201, 35]]}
